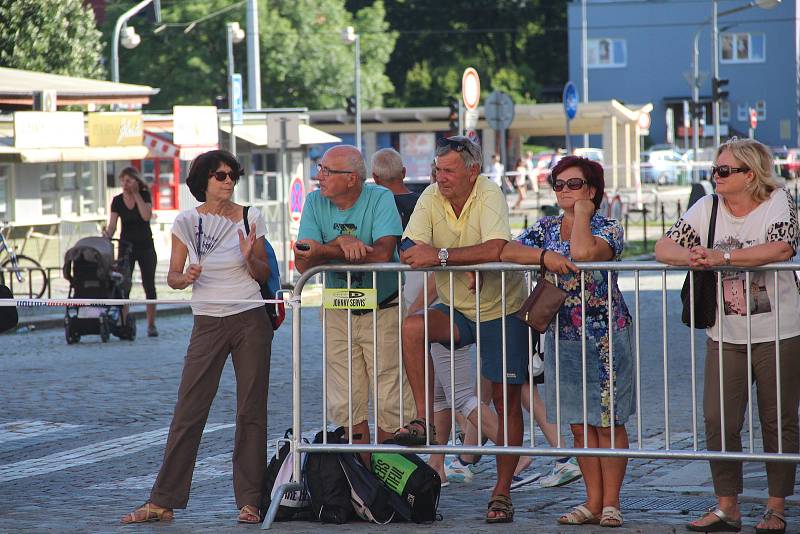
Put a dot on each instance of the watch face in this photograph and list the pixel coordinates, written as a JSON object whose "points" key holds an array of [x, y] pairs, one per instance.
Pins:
{"points": [[443, 255]]}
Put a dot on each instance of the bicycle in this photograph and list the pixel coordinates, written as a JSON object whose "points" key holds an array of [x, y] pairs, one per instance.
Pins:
{"points": [[27, 271]]}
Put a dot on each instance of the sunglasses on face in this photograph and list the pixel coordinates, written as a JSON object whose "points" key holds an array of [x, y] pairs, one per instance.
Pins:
{"points": [[221, 176], [573, 184], [723, 171], [457, 143]]}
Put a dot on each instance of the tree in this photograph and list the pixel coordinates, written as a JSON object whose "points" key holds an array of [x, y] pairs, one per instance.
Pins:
{"points": [[55, 36], [304, 62], [517, 46]]}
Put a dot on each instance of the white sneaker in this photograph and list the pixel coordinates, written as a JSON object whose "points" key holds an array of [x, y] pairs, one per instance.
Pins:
{"points": [[524, 478], [456, 471], [563, 473]]}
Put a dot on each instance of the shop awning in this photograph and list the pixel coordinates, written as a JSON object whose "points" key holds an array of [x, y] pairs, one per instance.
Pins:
{"points": [[256, 134], [52, 155]]}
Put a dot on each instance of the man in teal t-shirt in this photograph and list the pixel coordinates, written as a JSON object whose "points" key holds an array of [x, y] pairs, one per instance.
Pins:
{"points": [[348, 221]]}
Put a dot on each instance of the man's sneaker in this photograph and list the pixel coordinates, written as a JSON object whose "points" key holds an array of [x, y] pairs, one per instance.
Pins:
{"points": [[456, 471], [563, 473], [524, 478]]}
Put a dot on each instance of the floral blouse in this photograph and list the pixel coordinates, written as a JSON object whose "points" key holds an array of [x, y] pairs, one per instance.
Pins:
{"points": [[545, 233]]}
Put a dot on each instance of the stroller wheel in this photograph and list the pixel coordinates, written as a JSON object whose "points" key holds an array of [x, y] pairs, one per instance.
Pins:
{"points": [[71, 337]]}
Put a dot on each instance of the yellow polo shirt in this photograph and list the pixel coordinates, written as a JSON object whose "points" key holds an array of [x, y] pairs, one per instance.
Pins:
{"points": [[484, 217]]}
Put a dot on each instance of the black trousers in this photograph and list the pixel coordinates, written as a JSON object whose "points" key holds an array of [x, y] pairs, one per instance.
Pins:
{"points": [[147, 260]]}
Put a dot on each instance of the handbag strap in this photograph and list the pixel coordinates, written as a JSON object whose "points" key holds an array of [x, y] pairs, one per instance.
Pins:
{"points": [[542, 268], [712, 224]]}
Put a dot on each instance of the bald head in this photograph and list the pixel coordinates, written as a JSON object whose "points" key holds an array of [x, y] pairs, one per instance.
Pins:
{"points": [[350, 157], [387, 167]]}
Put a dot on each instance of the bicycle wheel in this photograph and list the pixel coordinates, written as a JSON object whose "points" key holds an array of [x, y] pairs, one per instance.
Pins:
{"points": [[34, 277]]}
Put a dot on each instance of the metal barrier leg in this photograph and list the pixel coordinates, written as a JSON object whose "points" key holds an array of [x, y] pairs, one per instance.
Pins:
{"points": [[283, 489]]}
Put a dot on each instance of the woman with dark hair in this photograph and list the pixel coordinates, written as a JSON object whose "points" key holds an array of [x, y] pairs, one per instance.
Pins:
{"points": [[134, 208], [583, 234], [231, 269]]}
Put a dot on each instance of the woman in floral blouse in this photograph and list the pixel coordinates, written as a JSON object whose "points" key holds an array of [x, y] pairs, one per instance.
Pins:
{"points": [[582, 234]]}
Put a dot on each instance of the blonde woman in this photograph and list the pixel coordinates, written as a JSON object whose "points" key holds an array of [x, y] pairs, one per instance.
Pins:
{"points": [[756, 224]]}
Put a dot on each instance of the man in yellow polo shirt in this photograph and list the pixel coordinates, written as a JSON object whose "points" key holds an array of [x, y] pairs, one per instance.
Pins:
{"points": [[462, 219]]}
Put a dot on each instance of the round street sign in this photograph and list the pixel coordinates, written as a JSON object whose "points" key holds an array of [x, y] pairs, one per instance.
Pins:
{"points": [[471, 88], [570, 99], [753, 118], [296, 198], [499, 110]]}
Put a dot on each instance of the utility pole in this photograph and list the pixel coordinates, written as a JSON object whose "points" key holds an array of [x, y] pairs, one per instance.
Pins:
{"points": [[715, 63], [253, 57], [585, 60]]}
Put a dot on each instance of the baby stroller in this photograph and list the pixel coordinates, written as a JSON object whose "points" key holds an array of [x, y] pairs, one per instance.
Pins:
{"points": [[93, 273]]}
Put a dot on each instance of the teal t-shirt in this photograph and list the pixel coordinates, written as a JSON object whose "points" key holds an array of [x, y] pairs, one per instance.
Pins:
{"points": [[372, 217]]}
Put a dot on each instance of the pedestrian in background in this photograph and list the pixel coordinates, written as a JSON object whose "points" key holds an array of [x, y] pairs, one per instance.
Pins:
{"points": [[583, 234], [519, 182], [756, 224], [233, 269], [134, 208]]}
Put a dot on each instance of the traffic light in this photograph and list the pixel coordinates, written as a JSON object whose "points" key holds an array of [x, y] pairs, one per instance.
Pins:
{"points": [[351, 105], [716, 85], [452, 117]]}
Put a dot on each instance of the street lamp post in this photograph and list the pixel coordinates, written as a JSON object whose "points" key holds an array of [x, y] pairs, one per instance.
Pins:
{"points": [[763, 4], [132, 39], [349, 36], [234, 34]]}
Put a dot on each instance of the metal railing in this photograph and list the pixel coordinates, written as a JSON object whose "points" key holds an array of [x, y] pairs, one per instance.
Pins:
{"points": [[610, 270]]}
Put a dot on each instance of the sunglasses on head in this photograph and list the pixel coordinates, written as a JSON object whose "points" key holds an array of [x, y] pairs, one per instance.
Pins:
{"points": [[457, 143], [572, 183], [221, 176], [723, 171]]}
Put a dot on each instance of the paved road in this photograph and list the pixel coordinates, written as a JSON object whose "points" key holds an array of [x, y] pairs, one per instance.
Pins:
{"points": [[82, 430]]}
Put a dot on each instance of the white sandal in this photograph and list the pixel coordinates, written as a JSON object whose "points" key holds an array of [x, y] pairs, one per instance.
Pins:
{"points": [[611, 517], [580, 515]]}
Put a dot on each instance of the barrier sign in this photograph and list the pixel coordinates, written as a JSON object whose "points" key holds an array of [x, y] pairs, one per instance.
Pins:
{"points": [[352, 299]]}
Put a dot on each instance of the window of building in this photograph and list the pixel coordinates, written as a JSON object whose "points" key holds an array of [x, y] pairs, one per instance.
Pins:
{"points": [[265, 177], [743, 47], [725, 111], [48, 185], [5, 181], [742, 111], [90, 188], [761, 110], [606, 52]]}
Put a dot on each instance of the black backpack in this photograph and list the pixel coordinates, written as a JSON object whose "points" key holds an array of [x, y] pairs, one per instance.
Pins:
{"points": [[327, 483], [8, 314], [299, 500], [372, 500], [412, 479]]}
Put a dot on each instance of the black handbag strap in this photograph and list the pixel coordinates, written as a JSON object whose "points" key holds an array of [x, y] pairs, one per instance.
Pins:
{"points": [[247, 225], [712, 224]]}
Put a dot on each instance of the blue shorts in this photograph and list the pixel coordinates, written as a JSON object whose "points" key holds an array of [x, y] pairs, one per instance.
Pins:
{"points": [[491, 345]]}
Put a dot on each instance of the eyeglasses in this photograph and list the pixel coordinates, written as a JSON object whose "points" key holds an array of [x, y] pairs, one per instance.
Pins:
{"points": [[723, 171], [327, 171], [573, 184], [221, 176], [457, 143]]}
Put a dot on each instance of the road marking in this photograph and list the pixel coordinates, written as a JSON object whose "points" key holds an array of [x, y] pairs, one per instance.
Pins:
{"points": [[216, 466], [89, 454], [16, 430]]}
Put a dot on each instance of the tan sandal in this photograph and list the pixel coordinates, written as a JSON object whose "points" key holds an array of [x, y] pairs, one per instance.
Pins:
{"points": [[151, 513], [249, 514], [580, 515], [611, 517], [500, 504]]}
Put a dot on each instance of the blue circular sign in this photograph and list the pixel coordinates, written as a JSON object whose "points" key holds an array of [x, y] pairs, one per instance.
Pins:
{"points": [[570, 100]]}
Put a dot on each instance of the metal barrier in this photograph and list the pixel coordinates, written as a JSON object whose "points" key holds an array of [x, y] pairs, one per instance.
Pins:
{"points": [[503, 448]]}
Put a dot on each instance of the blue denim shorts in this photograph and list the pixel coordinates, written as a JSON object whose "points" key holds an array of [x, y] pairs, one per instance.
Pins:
{"points": [[491, 345]]}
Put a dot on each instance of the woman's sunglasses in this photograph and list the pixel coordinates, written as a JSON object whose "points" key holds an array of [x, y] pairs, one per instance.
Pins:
{"points": [[723, 171], [573, 183], [221, 176]]}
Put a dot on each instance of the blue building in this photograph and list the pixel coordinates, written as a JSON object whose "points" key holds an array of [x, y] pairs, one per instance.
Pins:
{"points": [[641, 51]]}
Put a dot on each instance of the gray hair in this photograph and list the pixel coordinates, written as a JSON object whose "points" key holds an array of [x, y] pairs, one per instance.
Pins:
{"points": [[471, 155], [387, 164], [353, 158]]}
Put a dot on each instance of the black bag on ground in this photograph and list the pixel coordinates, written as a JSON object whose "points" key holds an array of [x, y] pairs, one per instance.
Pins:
{"points": [[372, 500], [8, 314], [327, 483], [705, 287], [412, 479], [294, 505]]}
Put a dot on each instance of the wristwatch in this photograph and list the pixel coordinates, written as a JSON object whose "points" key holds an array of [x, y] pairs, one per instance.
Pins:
{"points": [[727, 257], [443, 255]]}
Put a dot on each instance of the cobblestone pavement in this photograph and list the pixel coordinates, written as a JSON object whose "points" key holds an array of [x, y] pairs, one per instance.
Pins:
{"points": [[82, 430]]}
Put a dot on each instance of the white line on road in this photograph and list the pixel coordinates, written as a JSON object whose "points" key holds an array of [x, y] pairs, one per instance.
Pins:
{"points": [[89, 454], [16, 430], [216, 466]]}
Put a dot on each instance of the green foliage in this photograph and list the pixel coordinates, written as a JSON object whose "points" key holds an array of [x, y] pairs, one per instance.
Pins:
{"points": [[304, 62], [517, 46], [55, 36]]}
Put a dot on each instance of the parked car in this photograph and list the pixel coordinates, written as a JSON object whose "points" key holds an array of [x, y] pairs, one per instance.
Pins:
{"points": [[594, 154], [663, 167], [702, 163], [787, 163], [544, 165]]}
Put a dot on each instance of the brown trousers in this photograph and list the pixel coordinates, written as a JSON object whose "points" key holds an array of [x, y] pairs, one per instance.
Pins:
{"points": [[727, 475], [247, 336]]}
